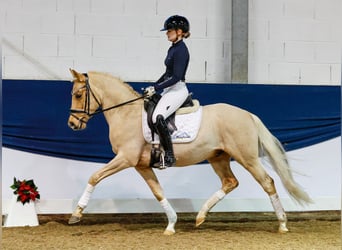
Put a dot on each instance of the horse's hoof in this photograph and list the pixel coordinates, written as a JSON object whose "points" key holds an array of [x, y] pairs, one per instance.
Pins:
{"points": [[74, 219], [169, 232], [282, 228], [199, 221]]}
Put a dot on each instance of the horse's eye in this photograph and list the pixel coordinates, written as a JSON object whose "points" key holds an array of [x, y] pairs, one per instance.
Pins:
{"points": [[78, 94]]}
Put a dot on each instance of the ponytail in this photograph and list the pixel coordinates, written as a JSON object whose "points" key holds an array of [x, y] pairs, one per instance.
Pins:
{"points": [[186, 34]]}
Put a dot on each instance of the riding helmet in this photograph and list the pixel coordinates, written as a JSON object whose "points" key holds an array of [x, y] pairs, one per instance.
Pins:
{"points": [[176, 22]]}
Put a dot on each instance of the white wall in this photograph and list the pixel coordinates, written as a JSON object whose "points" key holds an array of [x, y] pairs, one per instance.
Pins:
{"points": [[43, 38], [61, 183], [297, 42]]}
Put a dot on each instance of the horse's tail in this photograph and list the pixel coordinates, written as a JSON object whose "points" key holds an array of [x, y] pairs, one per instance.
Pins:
{"points": [[271, 146]]}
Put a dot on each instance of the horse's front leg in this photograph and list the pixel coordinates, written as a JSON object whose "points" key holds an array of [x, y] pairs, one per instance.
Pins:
{"points": [[152, 181], [117, 164]]}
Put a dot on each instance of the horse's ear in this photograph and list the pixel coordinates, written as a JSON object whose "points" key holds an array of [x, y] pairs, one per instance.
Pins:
{"points": [[77, 76], [74, 74]]}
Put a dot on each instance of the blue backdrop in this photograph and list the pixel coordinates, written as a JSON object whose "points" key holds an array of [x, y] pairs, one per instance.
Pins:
{"points": [[35, 115]]}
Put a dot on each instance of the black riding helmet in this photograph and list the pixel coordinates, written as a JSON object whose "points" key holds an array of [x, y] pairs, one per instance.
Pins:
{"points": [[176, 22]]}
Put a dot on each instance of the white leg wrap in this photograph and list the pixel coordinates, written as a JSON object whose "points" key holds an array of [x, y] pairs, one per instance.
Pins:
{"points": [[216, 197], [83, 202], [278, 208], [170, 213]]}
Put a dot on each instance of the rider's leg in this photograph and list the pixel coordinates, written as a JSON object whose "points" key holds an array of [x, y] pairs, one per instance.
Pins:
{"points": [[172, 98], [165, 140]]}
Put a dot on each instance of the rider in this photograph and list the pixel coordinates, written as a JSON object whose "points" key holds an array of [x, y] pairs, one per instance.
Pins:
{"points": [[172, 82]]}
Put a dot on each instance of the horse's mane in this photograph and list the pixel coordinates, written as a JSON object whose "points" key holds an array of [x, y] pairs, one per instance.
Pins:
{"points": [[117, 79]]}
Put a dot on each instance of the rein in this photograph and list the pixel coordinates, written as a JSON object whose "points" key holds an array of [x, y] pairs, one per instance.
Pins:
{"points": [[86, 109], [118, 105]]}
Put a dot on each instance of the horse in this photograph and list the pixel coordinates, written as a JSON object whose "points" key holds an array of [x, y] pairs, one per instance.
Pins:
{"points": [[238, 135]]}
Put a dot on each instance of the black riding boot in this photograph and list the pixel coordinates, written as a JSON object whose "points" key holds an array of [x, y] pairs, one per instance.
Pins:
{"points": [[165, 141]]}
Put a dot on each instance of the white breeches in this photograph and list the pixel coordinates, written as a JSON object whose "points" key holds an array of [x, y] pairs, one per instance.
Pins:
{"points": [[172, 98]]}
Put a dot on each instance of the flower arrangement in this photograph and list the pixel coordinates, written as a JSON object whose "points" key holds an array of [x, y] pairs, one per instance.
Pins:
{"points": [[26, 190]]}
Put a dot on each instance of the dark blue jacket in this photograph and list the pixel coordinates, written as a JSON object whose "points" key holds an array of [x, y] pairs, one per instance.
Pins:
{"points": [[176, 63]]}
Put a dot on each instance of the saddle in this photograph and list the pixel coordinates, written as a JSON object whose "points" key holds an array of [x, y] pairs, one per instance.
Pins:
{"points": [[150, 104], [189, 108]]}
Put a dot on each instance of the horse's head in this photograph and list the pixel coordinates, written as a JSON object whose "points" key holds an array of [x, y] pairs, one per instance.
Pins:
{"points": [[83, 103]]}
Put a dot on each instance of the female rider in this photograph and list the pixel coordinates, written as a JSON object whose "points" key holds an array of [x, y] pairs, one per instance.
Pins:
{"points": [[172, 83]]}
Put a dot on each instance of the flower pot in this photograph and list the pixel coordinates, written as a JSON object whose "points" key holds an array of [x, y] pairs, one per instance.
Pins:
{"points": [[20, 215]]}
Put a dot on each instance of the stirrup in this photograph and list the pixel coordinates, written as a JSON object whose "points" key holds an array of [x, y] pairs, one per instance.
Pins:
{"points": [[162, 162]]}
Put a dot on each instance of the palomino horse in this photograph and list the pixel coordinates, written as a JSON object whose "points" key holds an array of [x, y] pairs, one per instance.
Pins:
{"points": [[238, 134]]}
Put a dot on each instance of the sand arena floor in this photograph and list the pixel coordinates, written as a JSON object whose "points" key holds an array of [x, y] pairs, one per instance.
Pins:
{"points": [[313, 230]]}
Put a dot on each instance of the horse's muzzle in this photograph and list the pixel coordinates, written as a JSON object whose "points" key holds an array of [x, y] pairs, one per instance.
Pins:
{"points": [[77, 123]]}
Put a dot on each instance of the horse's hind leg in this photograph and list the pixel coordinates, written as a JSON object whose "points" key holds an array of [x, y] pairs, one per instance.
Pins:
{"points": [[267, 183], [221, 165]]}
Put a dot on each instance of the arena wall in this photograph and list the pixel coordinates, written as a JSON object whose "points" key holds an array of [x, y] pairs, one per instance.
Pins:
{"points": [[290, 42], [295, 42], [45, 38]]}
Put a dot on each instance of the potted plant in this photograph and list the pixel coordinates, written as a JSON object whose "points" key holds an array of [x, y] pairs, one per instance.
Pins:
{"points": [[22, 211], [25, 190]]}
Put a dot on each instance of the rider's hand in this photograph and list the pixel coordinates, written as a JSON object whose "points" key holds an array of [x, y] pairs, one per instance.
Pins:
{"points": [[149, 91]]}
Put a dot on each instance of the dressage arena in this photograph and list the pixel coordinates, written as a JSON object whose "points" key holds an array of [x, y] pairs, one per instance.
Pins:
{"points": [[278, 60], [312, 230]]}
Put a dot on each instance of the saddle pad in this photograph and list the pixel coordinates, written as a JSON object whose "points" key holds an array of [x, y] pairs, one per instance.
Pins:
{"points": [[187, 127]]}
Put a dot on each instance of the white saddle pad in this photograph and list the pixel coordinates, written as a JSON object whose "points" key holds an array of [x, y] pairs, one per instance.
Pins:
{"points": [[187, 127]]}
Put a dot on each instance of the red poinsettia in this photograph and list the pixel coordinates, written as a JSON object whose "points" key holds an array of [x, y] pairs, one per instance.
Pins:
{"points": [[26, 190]]}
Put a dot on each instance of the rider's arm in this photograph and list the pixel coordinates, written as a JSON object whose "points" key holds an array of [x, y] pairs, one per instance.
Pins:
{"points": [[180, 64], [161, 79]]}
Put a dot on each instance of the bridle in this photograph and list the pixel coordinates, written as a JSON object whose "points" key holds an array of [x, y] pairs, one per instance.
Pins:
{"points": [[86, 109]]}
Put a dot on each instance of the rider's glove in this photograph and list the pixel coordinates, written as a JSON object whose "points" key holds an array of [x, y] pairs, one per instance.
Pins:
{"points": [[149, 91]]}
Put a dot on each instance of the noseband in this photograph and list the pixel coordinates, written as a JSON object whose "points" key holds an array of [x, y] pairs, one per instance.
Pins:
{"points": [[86, 109]]}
